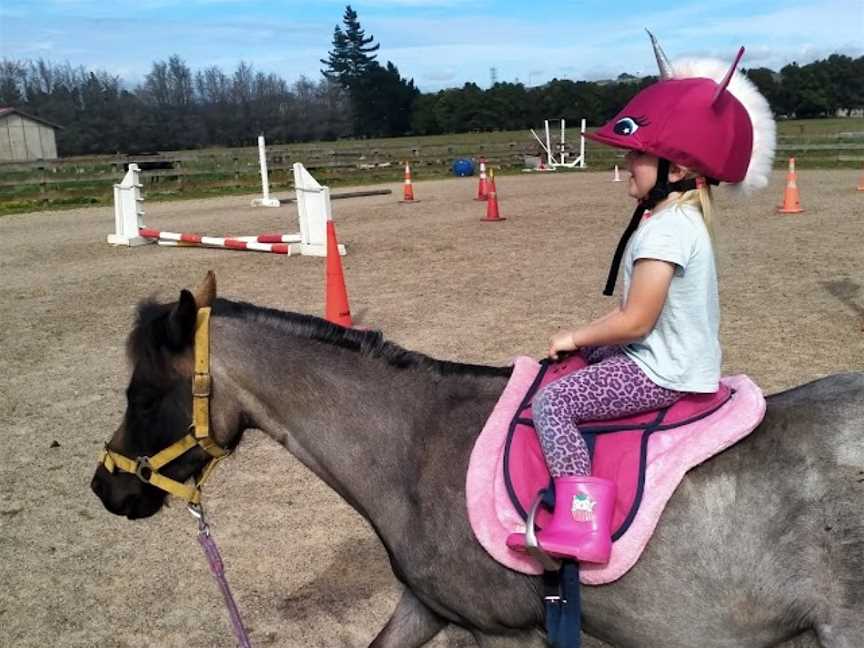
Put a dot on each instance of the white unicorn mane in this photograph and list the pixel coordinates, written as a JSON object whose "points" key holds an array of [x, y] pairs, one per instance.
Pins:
{"points": [[764, 128]]}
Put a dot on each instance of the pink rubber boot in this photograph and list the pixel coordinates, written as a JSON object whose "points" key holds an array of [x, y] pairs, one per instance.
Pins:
{"points": [[581, 521]]}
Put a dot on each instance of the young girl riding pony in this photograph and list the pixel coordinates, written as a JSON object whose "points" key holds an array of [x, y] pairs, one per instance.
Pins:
{"points": [[701, 124]]}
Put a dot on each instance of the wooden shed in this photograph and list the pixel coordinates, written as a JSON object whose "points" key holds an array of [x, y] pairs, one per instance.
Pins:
{"points": [[24, 137]]}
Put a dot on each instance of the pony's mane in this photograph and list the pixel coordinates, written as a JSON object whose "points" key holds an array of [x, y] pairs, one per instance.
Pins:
{"points": [[149, 330]]}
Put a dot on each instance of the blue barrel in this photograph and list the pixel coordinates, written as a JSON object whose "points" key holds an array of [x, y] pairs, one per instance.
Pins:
{"points": [[463, 167]]}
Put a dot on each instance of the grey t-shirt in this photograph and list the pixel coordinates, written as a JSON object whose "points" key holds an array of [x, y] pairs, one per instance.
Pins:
{"points": [[682, 351]]}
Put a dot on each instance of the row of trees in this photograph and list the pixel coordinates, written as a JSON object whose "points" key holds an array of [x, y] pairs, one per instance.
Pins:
{"points": [[511, 106], [176, 108], [818, 89], [173, 108]]}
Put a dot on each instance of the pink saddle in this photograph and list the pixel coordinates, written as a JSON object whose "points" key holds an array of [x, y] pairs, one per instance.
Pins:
{"points": [[646, 455]]}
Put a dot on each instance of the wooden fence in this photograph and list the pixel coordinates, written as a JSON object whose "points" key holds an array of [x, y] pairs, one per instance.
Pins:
{"points": [[336, 163]]}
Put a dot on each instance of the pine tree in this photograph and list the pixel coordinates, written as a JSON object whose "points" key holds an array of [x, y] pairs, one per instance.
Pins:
{"points": [[337, 59], [350, 60]]}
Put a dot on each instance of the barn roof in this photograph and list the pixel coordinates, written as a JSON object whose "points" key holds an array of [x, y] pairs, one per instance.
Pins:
{"points": [[4, 112]]}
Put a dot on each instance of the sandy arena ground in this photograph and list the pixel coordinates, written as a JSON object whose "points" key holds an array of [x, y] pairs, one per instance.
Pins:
{"points": [[306, 569]]}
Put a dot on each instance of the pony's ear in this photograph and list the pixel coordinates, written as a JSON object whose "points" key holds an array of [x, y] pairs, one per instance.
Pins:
{"points": [[181, 322], [206, 293]]}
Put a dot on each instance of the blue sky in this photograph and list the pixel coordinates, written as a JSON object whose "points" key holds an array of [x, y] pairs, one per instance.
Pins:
{"points": [[439, 44]]}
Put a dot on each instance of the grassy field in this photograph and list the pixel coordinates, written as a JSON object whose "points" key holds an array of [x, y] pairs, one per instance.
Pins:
{"points": [[817, 143]]}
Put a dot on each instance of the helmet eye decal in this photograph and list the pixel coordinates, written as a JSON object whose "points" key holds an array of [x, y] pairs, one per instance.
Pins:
{"points": [[629, 125]]}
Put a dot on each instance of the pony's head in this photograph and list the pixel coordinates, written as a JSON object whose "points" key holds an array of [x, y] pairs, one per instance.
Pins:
{"points": [[158, 405]]}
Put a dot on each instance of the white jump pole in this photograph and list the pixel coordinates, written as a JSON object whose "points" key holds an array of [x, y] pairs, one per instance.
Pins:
{"points": [[582, 147], [266, 200], [563, 140], [128, 212]]}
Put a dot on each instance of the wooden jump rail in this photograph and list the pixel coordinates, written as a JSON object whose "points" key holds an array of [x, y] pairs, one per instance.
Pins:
{"points": [[351, 194]]}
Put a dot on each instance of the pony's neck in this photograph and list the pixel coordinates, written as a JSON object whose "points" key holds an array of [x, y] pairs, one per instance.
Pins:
{"points": [[356, 421]]}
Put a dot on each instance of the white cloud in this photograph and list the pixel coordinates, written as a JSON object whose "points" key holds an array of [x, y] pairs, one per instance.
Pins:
{"points": [[429, 40]]}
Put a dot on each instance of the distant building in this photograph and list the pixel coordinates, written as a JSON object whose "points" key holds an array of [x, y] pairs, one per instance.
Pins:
{"points": [[24, 138], [622, 78]]}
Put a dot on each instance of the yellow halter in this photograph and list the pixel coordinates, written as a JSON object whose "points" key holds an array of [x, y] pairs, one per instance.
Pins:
{"points": [[147, 468]]}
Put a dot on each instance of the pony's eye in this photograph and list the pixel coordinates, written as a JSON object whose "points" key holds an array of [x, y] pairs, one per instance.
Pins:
{"points": [[625, 126]]}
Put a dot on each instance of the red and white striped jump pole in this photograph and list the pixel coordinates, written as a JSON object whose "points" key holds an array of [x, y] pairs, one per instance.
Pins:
{"points": [[177, 239], [269, 238]]}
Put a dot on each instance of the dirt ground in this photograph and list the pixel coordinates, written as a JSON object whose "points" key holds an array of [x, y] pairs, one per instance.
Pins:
{"points": [[307, 570]]}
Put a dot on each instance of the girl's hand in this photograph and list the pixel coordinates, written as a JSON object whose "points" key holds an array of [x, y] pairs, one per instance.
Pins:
{"points": [[561, 341]]}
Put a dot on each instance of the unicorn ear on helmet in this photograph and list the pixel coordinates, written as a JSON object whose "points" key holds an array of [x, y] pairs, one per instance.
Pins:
{"points": [[732, 80], [724, 83]]}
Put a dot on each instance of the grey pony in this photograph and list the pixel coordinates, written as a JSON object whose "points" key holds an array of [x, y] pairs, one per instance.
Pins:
{"points": [[761, 544]]}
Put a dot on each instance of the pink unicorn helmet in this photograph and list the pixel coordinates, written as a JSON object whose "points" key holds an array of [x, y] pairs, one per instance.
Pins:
{"points": [[700, 115]]}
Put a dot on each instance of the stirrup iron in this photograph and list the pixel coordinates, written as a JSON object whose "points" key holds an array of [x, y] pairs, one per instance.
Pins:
{"points": [[532, 546]]}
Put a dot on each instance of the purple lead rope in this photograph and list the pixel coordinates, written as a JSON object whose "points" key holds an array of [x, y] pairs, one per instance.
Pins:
{"points": [[211, 551]]}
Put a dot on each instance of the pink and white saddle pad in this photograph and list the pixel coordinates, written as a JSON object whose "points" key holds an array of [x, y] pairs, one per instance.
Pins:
{"points": [[646, 455]]}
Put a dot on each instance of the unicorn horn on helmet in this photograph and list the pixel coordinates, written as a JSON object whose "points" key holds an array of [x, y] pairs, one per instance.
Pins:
{"points": [[662, 61]]}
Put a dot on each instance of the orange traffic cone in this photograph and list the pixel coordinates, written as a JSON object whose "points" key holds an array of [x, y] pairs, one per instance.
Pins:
{"points": [[617, 176], [482, 187], [492, 213], [791, 199], [336, 309], [861, 182], [408, 187]]}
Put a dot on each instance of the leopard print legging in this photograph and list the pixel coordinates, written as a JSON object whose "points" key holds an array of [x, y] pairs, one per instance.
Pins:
{"points": [[611, 386]]}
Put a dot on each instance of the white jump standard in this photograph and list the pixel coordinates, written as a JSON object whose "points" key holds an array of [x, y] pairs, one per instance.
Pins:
{"points": [[557, 152], [313, 210], [265, 200], [128, 210]]}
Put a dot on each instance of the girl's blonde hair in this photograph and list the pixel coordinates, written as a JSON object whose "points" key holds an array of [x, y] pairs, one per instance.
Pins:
{"points": [[702, 199]]}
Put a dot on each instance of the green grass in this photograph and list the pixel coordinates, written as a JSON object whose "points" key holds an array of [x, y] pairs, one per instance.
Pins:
{"points": [[819, 127]]}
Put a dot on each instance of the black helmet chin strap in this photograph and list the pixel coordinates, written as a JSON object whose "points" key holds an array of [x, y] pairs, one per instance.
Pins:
{"points": [[659, 192]]}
